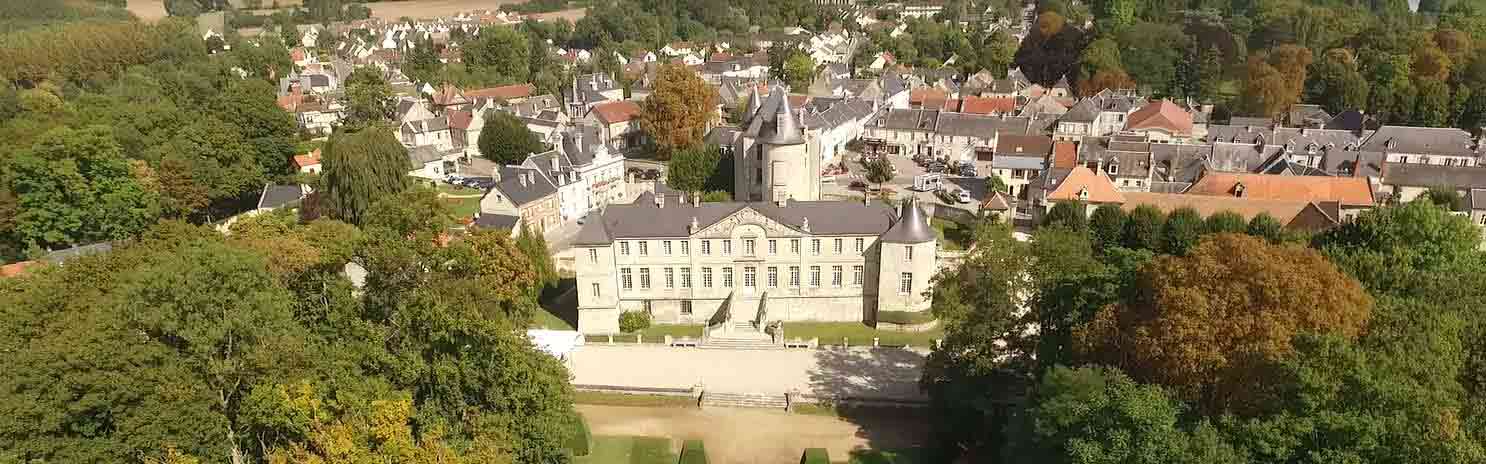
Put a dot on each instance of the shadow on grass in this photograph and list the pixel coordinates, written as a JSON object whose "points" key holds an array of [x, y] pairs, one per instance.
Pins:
{"points": [[881, 376], [560, 302]]}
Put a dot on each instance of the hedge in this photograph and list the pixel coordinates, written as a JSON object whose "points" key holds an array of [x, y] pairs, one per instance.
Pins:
{"points": [[905, 317], [692, 452], [815, 456], [581, 438]]}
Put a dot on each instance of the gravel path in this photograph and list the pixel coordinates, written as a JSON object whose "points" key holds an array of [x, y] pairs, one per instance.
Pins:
{"points": [[754, 436], [884, 373]]}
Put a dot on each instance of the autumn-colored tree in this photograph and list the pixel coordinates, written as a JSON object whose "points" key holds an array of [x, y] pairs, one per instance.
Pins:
{"points": [[1430, 62], [1050, 23], [1106, 79], [678, 112], [1209, 325], [1265, 90]]}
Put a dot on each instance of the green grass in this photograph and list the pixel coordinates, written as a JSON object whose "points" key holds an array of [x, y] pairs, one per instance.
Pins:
{"points": [[656, 333], [639, 401], [825, 409], [458, 189], [547, 320], [898, 456], [858, 334], [629, 450], [463, 207], [953, 236]]}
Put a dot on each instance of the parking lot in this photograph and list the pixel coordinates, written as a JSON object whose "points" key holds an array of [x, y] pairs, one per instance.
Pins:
{"points": [[902, 183]]}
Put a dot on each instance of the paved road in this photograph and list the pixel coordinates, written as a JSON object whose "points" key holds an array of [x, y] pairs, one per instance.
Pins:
{"points": [[903, 181], [883, 373]]}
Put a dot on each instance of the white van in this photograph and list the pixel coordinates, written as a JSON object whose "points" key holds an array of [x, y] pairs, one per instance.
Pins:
{"points": [[928, 182]]}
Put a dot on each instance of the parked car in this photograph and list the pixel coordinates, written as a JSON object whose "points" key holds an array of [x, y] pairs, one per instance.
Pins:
{"points": [[968, 171], [963, 196], [936, 167], [652, 174], [858, 185]]}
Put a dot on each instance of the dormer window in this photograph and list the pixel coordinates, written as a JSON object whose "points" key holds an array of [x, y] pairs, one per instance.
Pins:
{"points": [[1083, 194], [1114, 168], [1238, 189]]}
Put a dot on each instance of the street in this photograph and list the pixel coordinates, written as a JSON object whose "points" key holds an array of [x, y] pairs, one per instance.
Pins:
{"points": [[902, 183]]}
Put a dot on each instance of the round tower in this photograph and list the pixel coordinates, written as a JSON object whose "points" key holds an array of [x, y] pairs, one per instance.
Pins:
{"points": [[907, 259]]}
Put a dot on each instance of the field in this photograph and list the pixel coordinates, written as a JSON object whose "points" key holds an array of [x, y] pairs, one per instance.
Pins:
{"points": [[147, 10], [151, 10]]}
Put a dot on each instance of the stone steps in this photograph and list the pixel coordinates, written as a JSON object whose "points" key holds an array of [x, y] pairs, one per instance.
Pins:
{"points": [[739, 343], [741, 400]]}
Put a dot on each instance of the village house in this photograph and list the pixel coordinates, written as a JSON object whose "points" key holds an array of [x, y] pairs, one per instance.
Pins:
{"points": [[308, 163], [616, 122], [525, 192], [434, 163]]}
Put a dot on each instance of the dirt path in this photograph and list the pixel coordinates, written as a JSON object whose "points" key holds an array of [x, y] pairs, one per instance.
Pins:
{"points": [[147, 10], [755, 436]]}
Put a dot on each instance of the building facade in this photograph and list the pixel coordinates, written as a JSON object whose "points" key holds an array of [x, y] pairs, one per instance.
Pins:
{"points": [[786, 261]]}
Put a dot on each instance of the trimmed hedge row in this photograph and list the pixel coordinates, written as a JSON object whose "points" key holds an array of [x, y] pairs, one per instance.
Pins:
{"points": [[692, 452], [815, 456], [582, 438], [905, 317]]}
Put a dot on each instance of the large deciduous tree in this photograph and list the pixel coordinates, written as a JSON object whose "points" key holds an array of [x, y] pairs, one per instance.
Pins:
{"points": [[505, 139], [1210, 324], [679, 111], [74, 187], [500, 54], [691, 167], [361, 168], [369, 99]]}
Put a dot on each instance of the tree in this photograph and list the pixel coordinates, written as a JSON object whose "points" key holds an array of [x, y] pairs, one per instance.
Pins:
{"points": [[534, 246], [1432, 107], [499, 54], [995, 184], [369, 99], [1198, 72], [1143, 228], [690, 168], [1207, 324], [414, 212], [74, 187], [1392, 249], [678, 112], [1150, 51], [505, 139], [1265, 91], [1102, 54], [1181, 232], [1114, 15], [1067, 214], [1112, 79], [1266, 227], [1107, 226], [361, 168], [799, 71], [878, 170], [1225, 222], [1444, 197]]}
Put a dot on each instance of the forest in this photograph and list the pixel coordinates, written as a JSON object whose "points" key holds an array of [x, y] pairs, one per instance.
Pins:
{"points": [[1146, 337]]}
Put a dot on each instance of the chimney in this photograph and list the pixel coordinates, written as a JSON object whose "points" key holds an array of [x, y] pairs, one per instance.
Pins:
{"points": [[805, 225], [495, 174], [554, 163], [694, 225]]}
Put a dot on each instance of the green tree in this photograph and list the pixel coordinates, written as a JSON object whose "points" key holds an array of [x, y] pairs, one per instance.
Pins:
{"points": [[995, 184], [361, 168], [878, 170], [1107, 226], [799, 71], [1181, 232], [505, 139], [499, 54], [1266, 227], [1432, 107], [369, 99], [679, 110], [1392, 248], [74, 187], [1114, 15], [534, 246], [1144, 227], [690, 168], [1225, 222], [1444, 197], [1067, 214], [1149, 53]]}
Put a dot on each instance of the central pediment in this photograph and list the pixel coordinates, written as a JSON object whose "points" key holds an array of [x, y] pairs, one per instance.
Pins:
{"points": [[724, 227]]}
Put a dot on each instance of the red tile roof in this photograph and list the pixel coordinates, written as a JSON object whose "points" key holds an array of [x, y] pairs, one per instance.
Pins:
{"points": [[15, 269], [1100, 188], [307, 159], [506, 92], [615, 112], [1161, 115], [988, 105], [461, 119], [797, 101], [1065, 155], [1349, 191], [919, 95], [448, 94]]}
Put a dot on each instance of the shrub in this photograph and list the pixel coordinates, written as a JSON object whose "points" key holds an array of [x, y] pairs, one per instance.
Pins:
{"points": [[815, 456], [904, 317], [692, 452], [579, 442], [631, 321]]}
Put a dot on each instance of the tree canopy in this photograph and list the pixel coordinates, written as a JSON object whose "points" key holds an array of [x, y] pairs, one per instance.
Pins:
{"points": [[677, 113], [362, 168], [505, 139]]}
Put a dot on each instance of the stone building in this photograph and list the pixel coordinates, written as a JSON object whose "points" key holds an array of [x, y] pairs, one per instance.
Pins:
{"points": [[771, 159], [785, 261]]}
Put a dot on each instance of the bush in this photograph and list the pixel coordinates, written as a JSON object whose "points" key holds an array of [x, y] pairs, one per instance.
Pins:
{"points": [[632, 321], [904, 317], [815, 456], [692, 452], [579, 442]]}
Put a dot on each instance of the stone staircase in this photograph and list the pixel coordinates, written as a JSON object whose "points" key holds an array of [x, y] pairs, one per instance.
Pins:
{"points": [[743, 400], [741, 336]]}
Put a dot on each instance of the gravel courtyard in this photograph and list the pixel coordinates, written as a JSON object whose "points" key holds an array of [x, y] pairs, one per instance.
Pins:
{"points": [[882, 373]]}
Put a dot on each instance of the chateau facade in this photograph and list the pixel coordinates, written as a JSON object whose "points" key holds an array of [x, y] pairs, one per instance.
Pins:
{"points": [[803, 260]]}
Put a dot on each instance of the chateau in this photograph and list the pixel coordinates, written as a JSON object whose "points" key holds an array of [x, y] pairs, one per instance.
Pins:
{"points": [[805, 260]]}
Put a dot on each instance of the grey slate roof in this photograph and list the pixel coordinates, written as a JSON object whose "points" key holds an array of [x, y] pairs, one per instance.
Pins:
{"points": [[644, 219], [1250, 121], [1349, 120], [980, 125], [1476, 199], [1422, 140], [1179, 163], [907, 119], [1018, 162], [774, 122], [1432, 175], [538, 186], [274, 196], [836, 112], [424, 154], [496, 221], [581, 144], [912, 226]]}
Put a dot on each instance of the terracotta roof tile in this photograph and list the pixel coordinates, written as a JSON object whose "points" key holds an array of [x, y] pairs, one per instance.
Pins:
{"points": [[1163, 115], [614, 112], [1065, 155], [307, 159], [461, 119], [504, 92], [1349, 191], [1100, 188], [988, 105], [920, 95], [15, 269]]}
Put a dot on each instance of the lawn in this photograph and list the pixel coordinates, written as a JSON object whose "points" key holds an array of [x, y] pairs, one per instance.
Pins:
{"points": [[953, 236], [459, 190], [629, 450], [463, 207], [898, 456], [640, 401], [830, 333]]}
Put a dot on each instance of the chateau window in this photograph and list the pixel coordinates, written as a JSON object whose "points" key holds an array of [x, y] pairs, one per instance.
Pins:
{"points": [[815, 246], [727, 247], [593, 255], [750, 278], [773, 277], [685, 277], [794, 276], [685, 307], [666, 247], [595, 289], [644, 248], [908, 253], [773, 247], [836, 246], [670, 278], [1403, 159], [727, 277], [644, 278], [835, 276], [861, 244], [748, 247], [706, 247], [624, 248], [905, 283], [626, 280], [685, 247], [707, 277], [856, 276], [794, 246]]}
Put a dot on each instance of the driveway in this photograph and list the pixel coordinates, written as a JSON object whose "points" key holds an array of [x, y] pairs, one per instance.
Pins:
{"points": [[881, 373], [902, 182]]}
